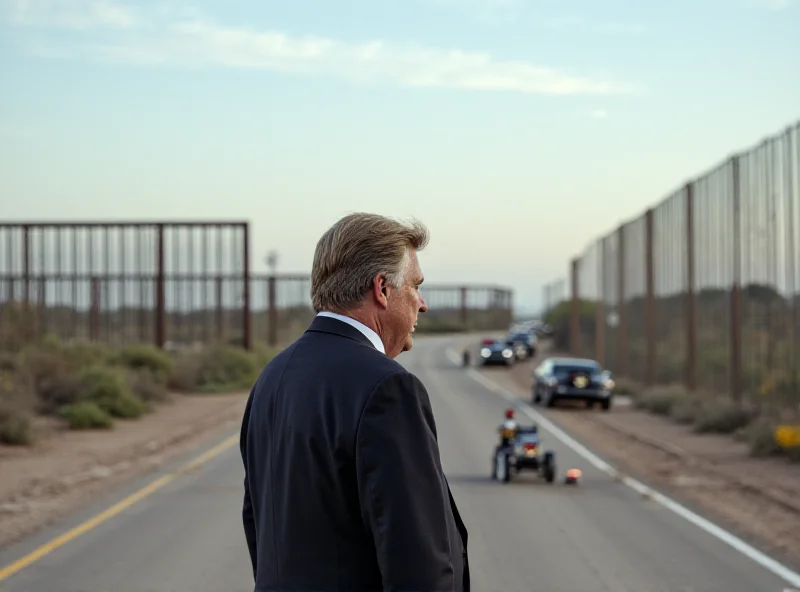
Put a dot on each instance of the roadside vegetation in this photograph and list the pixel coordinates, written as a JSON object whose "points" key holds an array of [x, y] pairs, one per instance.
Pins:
{"points": [[87, 385], [706, 413], [770, 373], [84, 385]]}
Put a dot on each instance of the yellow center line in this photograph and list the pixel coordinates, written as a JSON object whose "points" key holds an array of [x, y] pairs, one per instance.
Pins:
{"points": [[103, 516]]}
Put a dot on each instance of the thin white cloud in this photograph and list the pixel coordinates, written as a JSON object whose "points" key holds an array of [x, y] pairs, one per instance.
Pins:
{"points": [[481, 6], [620, 28], [773, 5], [493, 12], [169, 39], [71, 14], [576, 23], [530, 14], [599, 114]]}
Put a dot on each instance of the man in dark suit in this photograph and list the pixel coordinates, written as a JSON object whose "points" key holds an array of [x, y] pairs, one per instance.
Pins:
{"points": [[343, 488]]}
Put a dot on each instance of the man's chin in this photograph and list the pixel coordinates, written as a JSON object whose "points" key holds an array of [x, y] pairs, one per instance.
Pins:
{"points": [[409, 343]]}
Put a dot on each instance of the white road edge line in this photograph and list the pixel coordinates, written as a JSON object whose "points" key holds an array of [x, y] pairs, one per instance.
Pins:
{"points": [[453, 357], [777, 568]]}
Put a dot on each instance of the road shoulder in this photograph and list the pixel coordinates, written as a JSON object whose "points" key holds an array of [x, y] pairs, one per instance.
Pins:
{"points": [[69, 469]]}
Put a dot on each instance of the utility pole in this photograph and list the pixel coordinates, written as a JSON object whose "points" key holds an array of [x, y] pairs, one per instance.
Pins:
{"points": [[271, 259]]}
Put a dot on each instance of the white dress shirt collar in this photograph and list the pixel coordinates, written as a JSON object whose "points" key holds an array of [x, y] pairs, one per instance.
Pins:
{"points": [[369, 333]]}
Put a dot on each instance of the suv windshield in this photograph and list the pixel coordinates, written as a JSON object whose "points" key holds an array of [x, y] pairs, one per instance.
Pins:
{"points": [[568, 368]]}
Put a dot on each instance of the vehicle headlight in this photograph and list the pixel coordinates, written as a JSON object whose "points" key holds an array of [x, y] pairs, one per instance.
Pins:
{"points": [[486, 352], [507, 353], [609, 384]]}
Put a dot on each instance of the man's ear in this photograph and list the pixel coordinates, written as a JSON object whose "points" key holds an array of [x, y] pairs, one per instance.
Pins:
{"points": [[380, 291]]}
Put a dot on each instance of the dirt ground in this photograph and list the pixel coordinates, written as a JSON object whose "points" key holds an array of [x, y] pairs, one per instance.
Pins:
{"points": [[65, 470], [759, 499]]}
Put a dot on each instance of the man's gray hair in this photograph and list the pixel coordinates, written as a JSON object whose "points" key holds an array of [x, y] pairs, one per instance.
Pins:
{"points": [[356, 249]]}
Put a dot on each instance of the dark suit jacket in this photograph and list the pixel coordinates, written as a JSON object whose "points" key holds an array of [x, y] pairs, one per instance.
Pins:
{"points": [[343, 485]]}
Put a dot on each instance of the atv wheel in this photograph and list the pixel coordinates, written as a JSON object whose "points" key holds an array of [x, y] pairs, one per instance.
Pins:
{"points": [[549, 467], [501, 468]]}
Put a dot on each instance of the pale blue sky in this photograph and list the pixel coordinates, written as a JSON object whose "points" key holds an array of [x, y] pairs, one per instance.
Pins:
{"points": [[518, 130]]}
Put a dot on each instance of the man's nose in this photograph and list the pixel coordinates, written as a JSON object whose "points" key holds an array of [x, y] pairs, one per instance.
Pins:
{"points": [[423, 306]]}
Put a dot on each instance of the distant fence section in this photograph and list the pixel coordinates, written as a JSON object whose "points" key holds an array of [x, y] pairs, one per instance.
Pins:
{"points": [[704, 288], [174, 284], [282, 307], [552, 294]]}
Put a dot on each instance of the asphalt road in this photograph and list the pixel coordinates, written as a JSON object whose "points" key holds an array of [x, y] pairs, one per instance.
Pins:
{"points": [[524, 536]]}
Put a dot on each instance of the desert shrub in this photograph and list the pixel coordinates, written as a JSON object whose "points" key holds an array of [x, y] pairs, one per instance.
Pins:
{"points": [[721, 416], [49, 378], [147, 385], [81, 354], [15, 426], [15, 414], [760, 437], [8, 362], [624, 385], [125, 382], [147, 357], [685, 411], [88, 385], [109, 390], [86, 415], [18, 321], [661, 399], [49, 368], [217, 368], [185, 375]]}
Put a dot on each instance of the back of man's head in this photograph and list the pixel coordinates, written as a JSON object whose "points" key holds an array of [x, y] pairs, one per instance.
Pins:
{"points": [[356, 249]]}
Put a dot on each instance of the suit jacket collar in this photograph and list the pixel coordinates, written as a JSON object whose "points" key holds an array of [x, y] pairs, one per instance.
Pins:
{"points": [[336, 327]]}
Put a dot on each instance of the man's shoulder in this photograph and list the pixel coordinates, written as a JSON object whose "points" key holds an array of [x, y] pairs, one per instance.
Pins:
{"points": [[371, 366], [280, 358], [338, 355]]}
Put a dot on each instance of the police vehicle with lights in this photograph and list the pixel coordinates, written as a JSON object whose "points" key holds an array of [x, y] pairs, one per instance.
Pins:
{"points": [[497, 351]]}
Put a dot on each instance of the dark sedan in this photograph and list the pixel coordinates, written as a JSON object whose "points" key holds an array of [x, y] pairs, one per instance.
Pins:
{"points": [[572, 378]]}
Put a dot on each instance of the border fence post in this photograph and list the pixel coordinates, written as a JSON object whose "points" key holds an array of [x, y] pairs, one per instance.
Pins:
{"points": [[736, 290], [161, 317], [272, 311], [463, 305], [691, 297], [650, 301], [246, 335], [575, 327], [622, 313], [600, 306]]}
